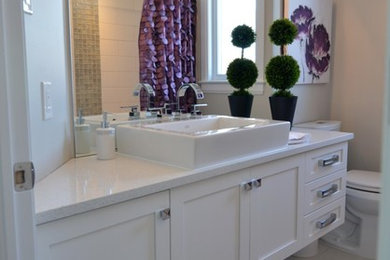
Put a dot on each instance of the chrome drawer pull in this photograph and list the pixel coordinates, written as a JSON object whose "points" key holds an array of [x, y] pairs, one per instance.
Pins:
{"points": [[324, 223], [326, 193], [328, 162]]}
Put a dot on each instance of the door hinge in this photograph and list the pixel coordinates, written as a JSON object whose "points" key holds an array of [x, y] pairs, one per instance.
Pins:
{"points": [[24, 176]]}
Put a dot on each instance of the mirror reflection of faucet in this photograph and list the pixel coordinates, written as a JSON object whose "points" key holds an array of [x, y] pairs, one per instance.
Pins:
{"points": [[149, 92], [133, 111], [167, 109]]}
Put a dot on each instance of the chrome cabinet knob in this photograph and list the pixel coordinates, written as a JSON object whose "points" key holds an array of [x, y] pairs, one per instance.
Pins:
{"points": [[257, 183], [165, 214], [247, 186]]}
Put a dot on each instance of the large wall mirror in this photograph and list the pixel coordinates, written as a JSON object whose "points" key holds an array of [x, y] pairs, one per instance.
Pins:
{"points": [[105, 62], [106, 36]]}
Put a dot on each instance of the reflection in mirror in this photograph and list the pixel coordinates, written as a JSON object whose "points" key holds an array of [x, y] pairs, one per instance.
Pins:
{"points": [[104, 40], [107, 67]]}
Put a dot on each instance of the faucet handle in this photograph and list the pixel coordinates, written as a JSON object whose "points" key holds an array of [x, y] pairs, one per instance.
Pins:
{"points": [[132, 108], [168, 108], [133, 111], [195, 106], [156, 111]]}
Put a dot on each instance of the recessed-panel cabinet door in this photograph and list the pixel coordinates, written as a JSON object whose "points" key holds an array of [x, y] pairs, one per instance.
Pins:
{"points": [[125, 231], [276, 218], [210, 219]]}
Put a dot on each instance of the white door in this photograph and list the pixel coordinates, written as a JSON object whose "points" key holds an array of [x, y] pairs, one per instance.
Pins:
{"points": [[16, 208]]}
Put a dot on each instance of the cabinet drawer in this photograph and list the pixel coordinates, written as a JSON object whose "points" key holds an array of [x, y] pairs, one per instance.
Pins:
{"points": [[324, 161], [324, 220], [324, 190]]}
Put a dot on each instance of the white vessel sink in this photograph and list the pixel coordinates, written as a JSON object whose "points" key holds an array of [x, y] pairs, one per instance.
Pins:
{"points": [[200, 142]]}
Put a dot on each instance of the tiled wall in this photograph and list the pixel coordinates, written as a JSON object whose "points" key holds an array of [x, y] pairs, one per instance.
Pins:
{"points": [[119, 26], [86, 56]]}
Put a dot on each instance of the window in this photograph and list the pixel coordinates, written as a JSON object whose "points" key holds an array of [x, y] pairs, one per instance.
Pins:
{"points": [[219, 17], [229, 14]]}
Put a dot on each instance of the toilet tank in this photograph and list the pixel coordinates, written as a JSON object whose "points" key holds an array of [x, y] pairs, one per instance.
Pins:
{"points": [[326, 125]]}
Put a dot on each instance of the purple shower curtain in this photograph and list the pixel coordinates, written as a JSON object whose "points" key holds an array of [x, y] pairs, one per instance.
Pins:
{"points": [[167, 49]]}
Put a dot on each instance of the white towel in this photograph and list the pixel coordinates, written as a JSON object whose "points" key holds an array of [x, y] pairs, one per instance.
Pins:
{"points": [[298, 138]]}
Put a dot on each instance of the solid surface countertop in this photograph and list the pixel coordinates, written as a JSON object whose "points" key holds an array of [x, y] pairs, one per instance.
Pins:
{"points": [[85, 183]]}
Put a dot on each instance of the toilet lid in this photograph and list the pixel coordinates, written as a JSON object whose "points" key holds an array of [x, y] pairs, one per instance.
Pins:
{"points": [[364, 180]]}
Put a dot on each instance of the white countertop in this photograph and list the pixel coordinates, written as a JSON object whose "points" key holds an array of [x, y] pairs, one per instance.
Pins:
{"points": [[84, 184]]}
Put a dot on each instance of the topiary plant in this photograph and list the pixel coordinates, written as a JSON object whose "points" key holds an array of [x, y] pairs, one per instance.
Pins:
{"points": [[282, 32], [242, 73], [282, 72]]}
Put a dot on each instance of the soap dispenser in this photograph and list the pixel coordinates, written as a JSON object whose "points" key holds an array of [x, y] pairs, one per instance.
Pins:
{"points": [[82, 134], [105, 140]]}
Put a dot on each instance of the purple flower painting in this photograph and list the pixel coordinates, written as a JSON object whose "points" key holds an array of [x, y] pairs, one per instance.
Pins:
{"points": [[313, 43], [317, 51], [302, 17]]}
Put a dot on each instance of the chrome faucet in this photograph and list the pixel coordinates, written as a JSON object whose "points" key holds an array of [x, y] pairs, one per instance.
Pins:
{"points": [[149, 91], [182, 90]]}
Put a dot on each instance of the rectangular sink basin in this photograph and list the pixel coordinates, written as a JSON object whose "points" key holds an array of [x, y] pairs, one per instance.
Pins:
{"points": [[196, 143]]}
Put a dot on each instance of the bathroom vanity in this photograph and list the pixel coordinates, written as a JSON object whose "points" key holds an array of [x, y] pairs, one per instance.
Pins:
{"points": [[260, 206]]}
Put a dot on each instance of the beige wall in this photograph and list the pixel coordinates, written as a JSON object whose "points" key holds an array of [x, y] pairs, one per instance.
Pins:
{"points": [[358, 77], [119, 24]]}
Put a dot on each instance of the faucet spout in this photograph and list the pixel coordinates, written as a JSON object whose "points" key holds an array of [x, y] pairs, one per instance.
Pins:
{"points": [[182, 90], [149, 91]]}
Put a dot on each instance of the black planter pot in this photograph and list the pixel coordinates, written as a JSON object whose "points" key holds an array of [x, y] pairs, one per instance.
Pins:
{"points": [[240, 105], [283, 108]]}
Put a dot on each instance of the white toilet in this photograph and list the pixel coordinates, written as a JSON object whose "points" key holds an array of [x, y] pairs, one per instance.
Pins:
{"points": [[358, 235]]}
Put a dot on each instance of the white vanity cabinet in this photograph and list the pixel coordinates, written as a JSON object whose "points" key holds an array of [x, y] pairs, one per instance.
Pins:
{"points": [[265, 208], [128, 230], [250, 214]]}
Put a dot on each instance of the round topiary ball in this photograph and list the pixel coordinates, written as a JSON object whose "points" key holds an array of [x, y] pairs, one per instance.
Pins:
{"points": [[282, 72], [242, 74], [243, 36], [282, 32]]}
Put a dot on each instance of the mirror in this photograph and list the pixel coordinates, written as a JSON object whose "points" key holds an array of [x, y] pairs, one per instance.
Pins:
{"points": [[105, 63]]}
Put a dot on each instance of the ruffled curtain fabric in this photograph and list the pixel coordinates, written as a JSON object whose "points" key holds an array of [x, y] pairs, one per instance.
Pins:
{"points": [[167, 49]]}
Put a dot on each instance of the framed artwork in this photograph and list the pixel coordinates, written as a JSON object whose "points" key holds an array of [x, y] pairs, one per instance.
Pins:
{"points": [[312, 46]]}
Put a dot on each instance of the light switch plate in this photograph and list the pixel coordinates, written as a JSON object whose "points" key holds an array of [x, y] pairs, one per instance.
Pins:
{"points": [[47, 100]]}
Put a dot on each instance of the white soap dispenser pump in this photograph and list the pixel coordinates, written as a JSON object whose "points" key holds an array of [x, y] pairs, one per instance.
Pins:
{"points": [[105, 140]]}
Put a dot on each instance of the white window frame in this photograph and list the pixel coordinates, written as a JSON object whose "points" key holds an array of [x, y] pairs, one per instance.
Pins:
{"points": [[210, 81]]}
